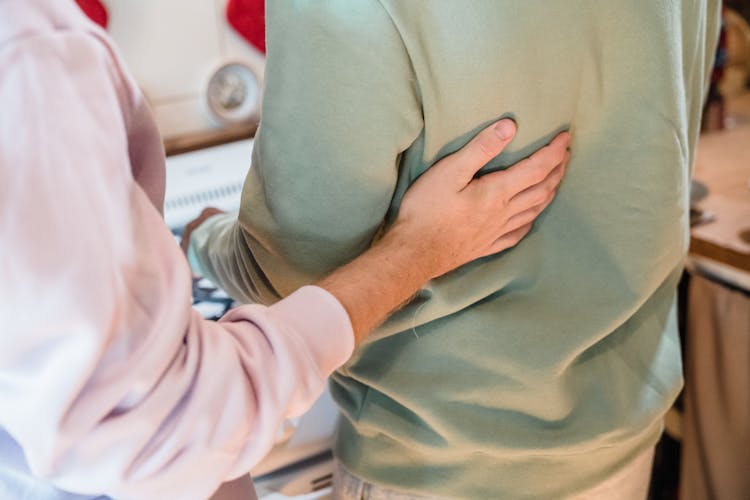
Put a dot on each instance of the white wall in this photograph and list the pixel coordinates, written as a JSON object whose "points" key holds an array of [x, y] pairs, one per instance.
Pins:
{"points": [[173, 47]]}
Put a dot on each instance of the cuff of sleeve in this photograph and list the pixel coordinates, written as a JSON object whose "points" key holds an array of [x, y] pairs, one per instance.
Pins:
{"points": [[322, 322], [199, 239]]}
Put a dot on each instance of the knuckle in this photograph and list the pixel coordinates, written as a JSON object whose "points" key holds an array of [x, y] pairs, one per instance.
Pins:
{"points": [[488, 147], [524, 219], [550, 187], [489, 143], [498, 194], [555, 184], [539, 174], [504, 197], [560, 152], [532, 216], [553, 154], [545, 194], [559, 172], [538, 197]]}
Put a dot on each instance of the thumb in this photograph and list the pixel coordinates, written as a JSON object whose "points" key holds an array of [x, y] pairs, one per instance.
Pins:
{"points": [[486, 145]]}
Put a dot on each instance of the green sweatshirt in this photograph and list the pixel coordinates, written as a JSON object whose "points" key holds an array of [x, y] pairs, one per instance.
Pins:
{"points": [[535, 373]]}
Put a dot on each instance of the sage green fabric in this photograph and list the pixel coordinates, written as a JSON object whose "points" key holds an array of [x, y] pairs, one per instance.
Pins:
{"points": [[531, 374]]}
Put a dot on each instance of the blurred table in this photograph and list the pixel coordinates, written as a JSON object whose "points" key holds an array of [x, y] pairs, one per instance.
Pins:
{"points": [[723, 166]]}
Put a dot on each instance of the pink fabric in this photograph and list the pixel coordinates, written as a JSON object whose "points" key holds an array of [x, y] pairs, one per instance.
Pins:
{"points": [[109, 381]]}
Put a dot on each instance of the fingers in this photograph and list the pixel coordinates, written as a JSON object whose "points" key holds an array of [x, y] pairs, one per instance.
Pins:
{"points": [[191, 226], [524, 218], [529, 203], [489, 143], [536, 168], [520, 224], [185, 239], [508, 240], [540, 194]]}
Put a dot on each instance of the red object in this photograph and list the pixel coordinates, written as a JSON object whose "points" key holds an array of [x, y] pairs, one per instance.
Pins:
{"points": [[96, 11], [248, 18]]}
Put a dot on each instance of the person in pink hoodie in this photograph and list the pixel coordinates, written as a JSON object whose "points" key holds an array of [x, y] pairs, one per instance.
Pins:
{"points": [[110, 383]]}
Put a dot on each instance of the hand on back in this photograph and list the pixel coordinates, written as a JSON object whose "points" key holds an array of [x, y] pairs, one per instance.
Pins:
{"points": [[456, 218]]}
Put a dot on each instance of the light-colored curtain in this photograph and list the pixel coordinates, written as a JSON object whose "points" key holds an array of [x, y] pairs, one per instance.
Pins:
{"points": [[716, 439]]}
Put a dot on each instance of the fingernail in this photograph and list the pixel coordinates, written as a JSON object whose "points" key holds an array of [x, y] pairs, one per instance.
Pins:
{"points": [[504, 129]]}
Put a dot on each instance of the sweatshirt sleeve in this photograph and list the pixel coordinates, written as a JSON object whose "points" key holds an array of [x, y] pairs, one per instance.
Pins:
{"points": [[340, 106], [109, 380]]}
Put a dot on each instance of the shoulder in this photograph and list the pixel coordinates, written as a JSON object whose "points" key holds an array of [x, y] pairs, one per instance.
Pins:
{"points": [[47, 40], [31, 19], [44, 34]]}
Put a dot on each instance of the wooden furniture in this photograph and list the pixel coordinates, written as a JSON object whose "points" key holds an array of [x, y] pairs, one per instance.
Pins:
{"points": [[192, 142], [723, 166]]}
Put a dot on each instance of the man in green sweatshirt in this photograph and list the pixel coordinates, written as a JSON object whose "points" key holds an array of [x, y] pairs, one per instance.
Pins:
{"points": [[542, 372]]}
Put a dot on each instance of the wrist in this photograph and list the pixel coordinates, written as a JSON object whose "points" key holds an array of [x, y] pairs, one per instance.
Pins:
{"points": [[417, 252], [382, 279]]}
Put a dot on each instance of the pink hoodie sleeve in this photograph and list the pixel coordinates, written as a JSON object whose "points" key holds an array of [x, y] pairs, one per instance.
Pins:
{"points": [[109, 380]]}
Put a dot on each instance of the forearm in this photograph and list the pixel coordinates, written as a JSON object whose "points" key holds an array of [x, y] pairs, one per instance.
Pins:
{"points": [[209, 397], [380, 280], [218, 251]]}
